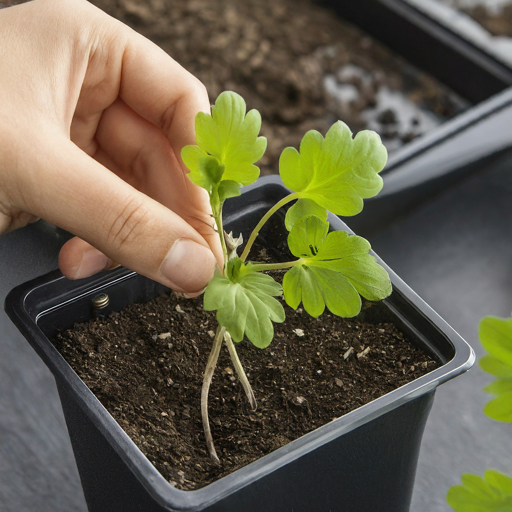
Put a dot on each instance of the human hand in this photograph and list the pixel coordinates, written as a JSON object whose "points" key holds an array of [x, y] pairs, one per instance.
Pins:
{"points": [[92, 121]]}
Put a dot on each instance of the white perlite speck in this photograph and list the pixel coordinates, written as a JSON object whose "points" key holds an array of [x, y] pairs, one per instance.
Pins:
{"points": [[363, 353], [346, 355]]}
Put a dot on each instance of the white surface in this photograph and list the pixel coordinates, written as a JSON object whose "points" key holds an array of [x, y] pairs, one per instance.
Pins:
{"points": [[410, 118], [463, 24], [493, 5]]}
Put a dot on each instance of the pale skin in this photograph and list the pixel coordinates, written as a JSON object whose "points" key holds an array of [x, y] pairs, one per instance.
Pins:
{"points": [[93, 118]]}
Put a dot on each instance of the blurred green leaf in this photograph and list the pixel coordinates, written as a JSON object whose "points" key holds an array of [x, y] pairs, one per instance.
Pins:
{"points": [[496, 367], [500, 408], [496, 338], [492, 493]]}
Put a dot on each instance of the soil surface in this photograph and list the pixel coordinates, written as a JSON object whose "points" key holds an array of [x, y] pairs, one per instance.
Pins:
{"points": [[296, 62], [497, 23], [145, 364]]}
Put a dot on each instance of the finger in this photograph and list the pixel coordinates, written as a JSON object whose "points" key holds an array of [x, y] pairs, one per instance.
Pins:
{"points": [[141, 154], [79, 259], [83, 197], [147, 79], [163, 92]]}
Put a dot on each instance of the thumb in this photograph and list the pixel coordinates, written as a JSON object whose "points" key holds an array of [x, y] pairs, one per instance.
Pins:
{"points": [[123, 224]]}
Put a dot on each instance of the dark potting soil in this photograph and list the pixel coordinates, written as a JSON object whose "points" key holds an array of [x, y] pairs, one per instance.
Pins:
{"points": [[145, 365], [298, 63]]}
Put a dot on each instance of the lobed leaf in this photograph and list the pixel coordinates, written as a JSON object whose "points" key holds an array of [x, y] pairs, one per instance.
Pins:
{"points": [[496, 338], [492, 493], [334, 270], [337, 172], [245, 303], [231, 135]]}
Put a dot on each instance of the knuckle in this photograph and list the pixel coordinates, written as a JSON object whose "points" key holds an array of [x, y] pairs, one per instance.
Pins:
{"points": [[194, 92], [201, 93], [5, 223], [129, 225], [200, 89]]}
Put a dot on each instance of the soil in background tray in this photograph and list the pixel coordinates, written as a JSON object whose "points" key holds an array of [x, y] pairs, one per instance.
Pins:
{"points": [[145, 364], [497, 23], [298, 63]]}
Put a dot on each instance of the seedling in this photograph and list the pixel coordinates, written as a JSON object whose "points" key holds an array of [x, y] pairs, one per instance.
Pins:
{"points": [[493, 491], [331, 269]]}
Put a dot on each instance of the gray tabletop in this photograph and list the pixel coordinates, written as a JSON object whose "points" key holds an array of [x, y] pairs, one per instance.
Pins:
{"points": [[37, 468], [455, 251]]}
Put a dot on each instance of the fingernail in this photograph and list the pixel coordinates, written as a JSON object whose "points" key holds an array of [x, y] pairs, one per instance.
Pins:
{"points": [[188, 266], [93, 261]]}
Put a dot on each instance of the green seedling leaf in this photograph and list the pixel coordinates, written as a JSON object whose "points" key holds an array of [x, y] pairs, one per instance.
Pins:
{"points": [[500, 408], [245, 303], [496, 367], [228, 189], [496, 338], [303, 208], [231, 136], [492, 493], [337, 172], [499, 387], [334, 269], [205, 171]]}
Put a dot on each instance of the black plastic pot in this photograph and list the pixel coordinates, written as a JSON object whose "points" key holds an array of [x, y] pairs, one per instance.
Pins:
{"points": [[450, 56], [460, 147], [469, 144], [362, 462]]}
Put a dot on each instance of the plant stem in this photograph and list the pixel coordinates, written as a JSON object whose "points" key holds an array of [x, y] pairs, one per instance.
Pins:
{"points": [[207, 379], [240, 371], [262, 267], [220, 228], [264, 219]]}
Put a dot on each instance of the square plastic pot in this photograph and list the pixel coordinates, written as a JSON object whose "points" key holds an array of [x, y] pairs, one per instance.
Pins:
{"points": [[364, 461]]}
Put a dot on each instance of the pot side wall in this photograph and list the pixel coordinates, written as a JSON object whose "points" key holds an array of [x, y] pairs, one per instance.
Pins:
{"points": [[369, 469]]}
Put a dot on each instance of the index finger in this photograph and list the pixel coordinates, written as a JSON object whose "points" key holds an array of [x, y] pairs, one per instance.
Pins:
{"points": [[159, 89]]}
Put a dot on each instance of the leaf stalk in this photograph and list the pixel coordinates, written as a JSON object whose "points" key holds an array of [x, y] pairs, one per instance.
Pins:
{"points": [[261, 223], [218, 222]]}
